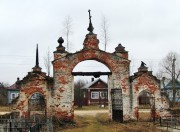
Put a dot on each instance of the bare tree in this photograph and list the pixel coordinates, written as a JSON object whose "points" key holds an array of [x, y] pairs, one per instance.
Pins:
{"points": [[151, 65], [47, 62], [4, 84], [170, 69], [159, 75], [67, 31], [167, 67], [3, 93], [104, 29]]}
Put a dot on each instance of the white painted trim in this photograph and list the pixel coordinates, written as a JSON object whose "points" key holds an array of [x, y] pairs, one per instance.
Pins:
{"points": [[95, 97]]}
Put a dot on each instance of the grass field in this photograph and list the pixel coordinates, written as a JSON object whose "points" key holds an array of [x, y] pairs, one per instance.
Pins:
{"points": [[101, 123]]}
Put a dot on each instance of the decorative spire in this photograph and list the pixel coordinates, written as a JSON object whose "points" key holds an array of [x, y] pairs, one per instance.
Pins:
{"points": [[37, 57], [90, 28], [37, 68]]}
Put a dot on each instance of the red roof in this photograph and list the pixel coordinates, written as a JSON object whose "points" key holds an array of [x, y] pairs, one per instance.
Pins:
{"points": [[13, 87]]}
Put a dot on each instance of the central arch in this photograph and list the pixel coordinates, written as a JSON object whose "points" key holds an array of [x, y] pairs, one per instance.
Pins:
{"points": [[90, 79], [64, 80]]}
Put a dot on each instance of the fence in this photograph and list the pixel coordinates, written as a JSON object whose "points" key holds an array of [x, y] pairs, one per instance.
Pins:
{"points": [[25, 125], [170, 122]]}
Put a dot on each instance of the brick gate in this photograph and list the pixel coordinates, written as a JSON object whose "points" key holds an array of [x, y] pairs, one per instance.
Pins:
{"points": [[58, 91], [64, 64]]}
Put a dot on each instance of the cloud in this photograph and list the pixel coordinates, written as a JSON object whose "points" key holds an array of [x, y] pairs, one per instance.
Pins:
{"points": [[147, 28]]}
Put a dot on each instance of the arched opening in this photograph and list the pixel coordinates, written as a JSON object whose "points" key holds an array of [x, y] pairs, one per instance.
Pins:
{"points": [[37, 106], [91, 66], [91, 87], [116, 77], [145, 100]]}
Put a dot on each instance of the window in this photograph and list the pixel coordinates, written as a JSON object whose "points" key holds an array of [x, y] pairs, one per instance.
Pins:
{"points": [[34, 96], [146, 100], [103, 95], [84, 94], [13, 95], [94, 95], [177, 94], [169, 93]]}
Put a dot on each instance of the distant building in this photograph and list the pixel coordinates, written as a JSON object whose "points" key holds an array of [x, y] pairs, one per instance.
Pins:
{"points": [[95, 92], [169, 90], [13, 91]]}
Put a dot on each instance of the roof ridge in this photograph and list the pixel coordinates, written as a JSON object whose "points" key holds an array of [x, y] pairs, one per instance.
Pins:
{"points": [[91, 83]]}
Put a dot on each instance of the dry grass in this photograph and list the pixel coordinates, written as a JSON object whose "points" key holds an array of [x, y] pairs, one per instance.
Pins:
{"points": [[91, 107], [5, 108], [101, 123]]}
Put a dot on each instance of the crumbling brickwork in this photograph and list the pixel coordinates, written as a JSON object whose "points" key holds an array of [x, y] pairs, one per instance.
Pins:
{"points": [[64, 64], [59, 90], [142, 81], [34, 82]]}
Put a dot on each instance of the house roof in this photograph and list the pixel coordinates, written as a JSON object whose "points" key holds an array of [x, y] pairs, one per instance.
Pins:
{"points": [[86, 86], [169, 85], [13, 87]]}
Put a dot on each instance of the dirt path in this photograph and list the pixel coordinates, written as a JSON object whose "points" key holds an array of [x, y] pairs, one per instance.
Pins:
{"points": [[89, 112]]}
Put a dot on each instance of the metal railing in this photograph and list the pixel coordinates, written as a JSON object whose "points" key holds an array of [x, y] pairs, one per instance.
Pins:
{"points": [[172, 121], [25, 125]]}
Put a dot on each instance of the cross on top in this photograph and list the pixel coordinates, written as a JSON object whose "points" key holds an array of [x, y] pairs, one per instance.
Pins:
{"points": [[90, 28], [89, 14]]}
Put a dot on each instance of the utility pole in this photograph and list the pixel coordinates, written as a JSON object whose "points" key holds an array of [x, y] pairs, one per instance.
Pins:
{"points": [[173, 82]]}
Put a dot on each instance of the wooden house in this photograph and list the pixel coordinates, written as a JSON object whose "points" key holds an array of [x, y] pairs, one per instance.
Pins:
{"points": [[169, 90], [95, 93]]}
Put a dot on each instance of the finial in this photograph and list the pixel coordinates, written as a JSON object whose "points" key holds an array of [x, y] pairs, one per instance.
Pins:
{"points": [[120, 48], [60, 41], [60, 48], [37, 57], [90, 28]]}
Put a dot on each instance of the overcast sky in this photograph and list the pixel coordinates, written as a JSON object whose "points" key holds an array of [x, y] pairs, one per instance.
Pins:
{"points": [[148, 29]]}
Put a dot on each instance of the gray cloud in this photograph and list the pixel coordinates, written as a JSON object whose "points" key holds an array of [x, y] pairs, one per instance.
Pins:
{"points": [[148, 29]]}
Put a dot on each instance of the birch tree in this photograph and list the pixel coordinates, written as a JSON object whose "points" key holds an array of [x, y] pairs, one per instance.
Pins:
{"points": [[47, 62], [104, 30], [67, 31], [170, 69]]}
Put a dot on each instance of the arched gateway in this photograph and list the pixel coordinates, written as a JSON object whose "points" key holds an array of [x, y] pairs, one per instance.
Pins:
{"points": [[59, 90], [64, 64]]}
